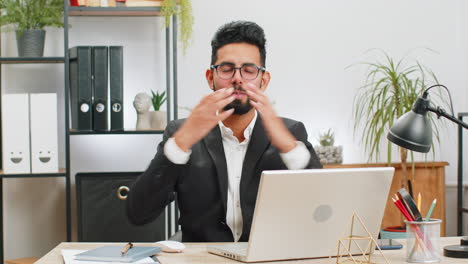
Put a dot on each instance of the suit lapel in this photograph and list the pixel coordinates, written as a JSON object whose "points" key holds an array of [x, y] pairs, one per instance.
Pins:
{"points": [[258, 144], [214, 144]]}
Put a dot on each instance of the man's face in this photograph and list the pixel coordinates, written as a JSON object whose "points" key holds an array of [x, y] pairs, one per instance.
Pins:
{"points": [[237, 54]]}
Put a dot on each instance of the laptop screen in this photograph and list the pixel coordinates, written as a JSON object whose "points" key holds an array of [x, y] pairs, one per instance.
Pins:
{"points": [[303, 213]]}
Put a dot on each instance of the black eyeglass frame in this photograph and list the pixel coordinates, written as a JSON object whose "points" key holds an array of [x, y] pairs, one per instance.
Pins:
{"points": [[259, 68]]}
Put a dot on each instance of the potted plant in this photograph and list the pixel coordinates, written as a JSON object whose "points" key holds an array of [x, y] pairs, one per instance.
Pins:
{"points": [[29, 18], [390, 90], [326, 151], [183, 9], [158, 118]]}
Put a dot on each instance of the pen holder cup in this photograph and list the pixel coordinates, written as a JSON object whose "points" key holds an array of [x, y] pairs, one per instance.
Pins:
{"points": [[423, 241]]}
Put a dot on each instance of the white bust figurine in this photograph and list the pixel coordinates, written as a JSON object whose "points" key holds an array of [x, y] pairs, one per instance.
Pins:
{"points": [[142, 104]]}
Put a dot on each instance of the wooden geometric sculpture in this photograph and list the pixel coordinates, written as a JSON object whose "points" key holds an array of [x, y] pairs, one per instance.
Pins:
{"points": [[354, 241]]}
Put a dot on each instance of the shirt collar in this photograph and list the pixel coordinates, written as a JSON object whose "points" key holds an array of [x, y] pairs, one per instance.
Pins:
{"points": [[227, 132]]}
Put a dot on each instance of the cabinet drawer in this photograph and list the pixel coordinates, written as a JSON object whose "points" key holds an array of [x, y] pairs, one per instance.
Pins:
{"points": [[102, 213]]}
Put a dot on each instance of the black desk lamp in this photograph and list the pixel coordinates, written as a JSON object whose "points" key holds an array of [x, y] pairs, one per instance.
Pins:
{"points": [[413, 131]]}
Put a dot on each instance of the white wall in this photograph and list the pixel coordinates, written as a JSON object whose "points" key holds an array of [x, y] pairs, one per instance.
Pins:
{"points": [[310, 43]]}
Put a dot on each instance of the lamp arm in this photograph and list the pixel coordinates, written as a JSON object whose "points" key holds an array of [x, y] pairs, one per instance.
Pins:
{"points": [[426, 93], [441, 112]]}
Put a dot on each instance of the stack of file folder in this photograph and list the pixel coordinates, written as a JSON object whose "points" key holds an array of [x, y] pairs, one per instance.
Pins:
{"points": [[95, 73]]}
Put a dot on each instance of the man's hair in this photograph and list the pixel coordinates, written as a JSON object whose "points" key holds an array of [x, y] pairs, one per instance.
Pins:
{"points": [[236, 32]]}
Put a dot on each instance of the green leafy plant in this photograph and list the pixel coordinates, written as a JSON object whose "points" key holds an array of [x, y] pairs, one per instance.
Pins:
{"points": [[327, 139], [183, 10], [158, 99], [390, 90], [31, 14]]}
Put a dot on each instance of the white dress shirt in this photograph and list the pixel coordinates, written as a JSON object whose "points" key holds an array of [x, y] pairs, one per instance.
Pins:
{"points": [[234, 151]]}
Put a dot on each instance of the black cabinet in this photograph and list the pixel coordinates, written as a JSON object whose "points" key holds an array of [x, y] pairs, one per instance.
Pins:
{"points": [[102, 210]]}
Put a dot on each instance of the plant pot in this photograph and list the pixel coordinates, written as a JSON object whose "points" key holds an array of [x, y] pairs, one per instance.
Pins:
{"points": [[329, 154], [158, 120], [31, 43]]}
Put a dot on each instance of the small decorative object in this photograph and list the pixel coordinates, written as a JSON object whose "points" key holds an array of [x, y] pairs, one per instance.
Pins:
{"points": [[28, 18], [158, 118], [327, 153], [142, 104], [350, 242]]}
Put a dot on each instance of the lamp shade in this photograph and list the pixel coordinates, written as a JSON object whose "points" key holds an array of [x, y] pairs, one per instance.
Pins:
{"points": [[412, 131]]}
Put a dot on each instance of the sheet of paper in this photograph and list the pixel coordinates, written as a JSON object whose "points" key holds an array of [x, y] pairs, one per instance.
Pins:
{"points": [[69, 258]]}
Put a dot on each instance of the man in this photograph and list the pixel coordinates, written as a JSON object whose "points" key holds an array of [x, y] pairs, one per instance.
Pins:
{"points": [[213, 160]]}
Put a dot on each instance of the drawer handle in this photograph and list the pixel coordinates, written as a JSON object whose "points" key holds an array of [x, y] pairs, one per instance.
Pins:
{"points": [[122, 192]]}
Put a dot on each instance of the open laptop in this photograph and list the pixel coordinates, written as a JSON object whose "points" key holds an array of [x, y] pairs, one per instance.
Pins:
{"points": [[303, 213]]}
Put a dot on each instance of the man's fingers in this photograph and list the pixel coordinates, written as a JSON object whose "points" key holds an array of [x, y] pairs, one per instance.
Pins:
{"points": [[221, 93], [225, 114], [257, 106], [255, 94], [223, 102], [261, 99]]}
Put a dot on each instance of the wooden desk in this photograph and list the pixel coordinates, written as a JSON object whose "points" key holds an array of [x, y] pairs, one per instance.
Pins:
{"points": [[196, 253]]}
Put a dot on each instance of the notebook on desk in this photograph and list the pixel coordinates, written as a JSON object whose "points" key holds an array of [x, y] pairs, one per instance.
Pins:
{"points": [[114, 254], [301, 214]]}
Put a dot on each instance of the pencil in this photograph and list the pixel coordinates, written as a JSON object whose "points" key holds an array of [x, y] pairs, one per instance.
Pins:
{"points": [[403, 210], [419, 235], [431, 209], [419, 202]]}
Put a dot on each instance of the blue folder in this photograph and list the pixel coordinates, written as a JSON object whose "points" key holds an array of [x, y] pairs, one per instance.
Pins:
{"points": [[113, 254]]}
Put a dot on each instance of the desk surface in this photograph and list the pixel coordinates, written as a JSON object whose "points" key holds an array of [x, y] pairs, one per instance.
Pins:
{"points": [[196, 253]]}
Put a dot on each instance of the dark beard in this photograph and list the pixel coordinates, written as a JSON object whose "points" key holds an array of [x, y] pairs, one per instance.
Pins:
{"points": [[239, 107]]}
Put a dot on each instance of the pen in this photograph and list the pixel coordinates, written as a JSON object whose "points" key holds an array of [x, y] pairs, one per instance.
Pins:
{"points": [[127, 248]]}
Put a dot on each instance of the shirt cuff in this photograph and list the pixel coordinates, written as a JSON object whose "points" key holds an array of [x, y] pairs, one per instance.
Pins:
{"points": [[174, 153], [297, 158]]}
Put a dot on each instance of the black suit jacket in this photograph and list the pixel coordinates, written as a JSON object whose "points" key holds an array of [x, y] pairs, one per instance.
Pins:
{"points": [[201, 184]]}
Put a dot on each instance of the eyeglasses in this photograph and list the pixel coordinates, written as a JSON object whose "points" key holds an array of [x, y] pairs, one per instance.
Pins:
{"points": [[226, 71]]}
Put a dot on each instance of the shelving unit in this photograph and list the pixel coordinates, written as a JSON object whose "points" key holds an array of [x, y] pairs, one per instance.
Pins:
{"points": [[114, 11], [171, 91], [460, 185], [24, 60], [61, 173], [124, 132], [171, 83]]}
